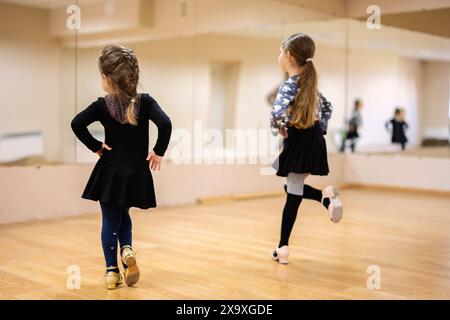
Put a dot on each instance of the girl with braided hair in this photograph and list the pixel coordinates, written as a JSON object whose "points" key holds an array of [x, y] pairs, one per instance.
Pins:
{"points": [[121, 177]]}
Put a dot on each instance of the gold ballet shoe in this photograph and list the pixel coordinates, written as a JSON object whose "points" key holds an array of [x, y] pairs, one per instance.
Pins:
{"points": [[130, 274], [112, 279]]}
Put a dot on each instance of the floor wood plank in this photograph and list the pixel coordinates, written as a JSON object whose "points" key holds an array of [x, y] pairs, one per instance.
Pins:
{"points": [[221, 251]]}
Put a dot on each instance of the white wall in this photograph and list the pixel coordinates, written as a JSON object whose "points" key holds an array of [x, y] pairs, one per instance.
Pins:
{"points": [[384, 81], [424, 173], [30, 64], [23, 198], [436, 104]]}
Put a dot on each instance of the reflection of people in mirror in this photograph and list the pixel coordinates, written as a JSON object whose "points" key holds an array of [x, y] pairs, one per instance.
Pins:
{"points": [[353, 124], [397, 126]]}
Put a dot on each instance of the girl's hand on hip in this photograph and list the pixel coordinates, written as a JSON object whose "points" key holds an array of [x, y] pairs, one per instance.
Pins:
{"points": [[155, 161], [104, 146], [283, 132]]}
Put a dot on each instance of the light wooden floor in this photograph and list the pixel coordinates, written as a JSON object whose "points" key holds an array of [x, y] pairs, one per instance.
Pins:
{"points": [[221, 251]]}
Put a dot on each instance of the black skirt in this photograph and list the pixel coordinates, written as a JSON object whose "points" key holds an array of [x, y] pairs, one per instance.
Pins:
{"points": [[121, 178], [352, 134], [398, 136], [304, 151]]}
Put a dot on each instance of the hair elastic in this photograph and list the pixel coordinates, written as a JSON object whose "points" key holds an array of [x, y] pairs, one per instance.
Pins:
{"points": [[309, 59]]}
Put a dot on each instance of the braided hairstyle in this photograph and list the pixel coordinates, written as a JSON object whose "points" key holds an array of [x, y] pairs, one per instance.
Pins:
{"points": [[120, 66]]}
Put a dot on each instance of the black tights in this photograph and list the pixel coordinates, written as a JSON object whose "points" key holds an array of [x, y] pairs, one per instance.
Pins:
{"points": [[116, 229], [289, 215], [291, 208]]}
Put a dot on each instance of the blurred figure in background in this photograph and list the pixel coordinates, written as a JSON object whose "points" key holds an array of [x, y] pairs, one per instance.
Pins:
{"points": [[353, 124], [397, 126]]}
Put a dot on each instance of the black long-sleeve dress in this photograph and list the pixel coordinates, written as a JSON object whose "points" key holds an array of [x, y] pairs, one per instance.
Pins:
{"points": [[122, 176], [398, 130]]}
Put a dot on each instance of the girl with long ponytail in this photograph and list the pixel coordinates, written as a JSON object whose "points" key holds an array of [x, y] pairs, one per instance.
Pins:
{"points": [[300, 115]]}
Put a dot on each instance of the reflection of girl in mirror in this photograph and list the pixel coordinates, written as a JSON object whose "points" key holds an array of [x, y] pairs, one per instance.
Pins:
{"points": [[300, 115], [353, 124], [121, 177], [397, 127]]}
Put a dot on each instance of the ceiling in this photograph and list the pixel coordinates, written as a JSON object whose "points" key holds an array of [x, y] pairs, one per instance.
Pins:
{"points": [[435, 22], [335, 7], [399, 32], [50, 4], [342, 32]]}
